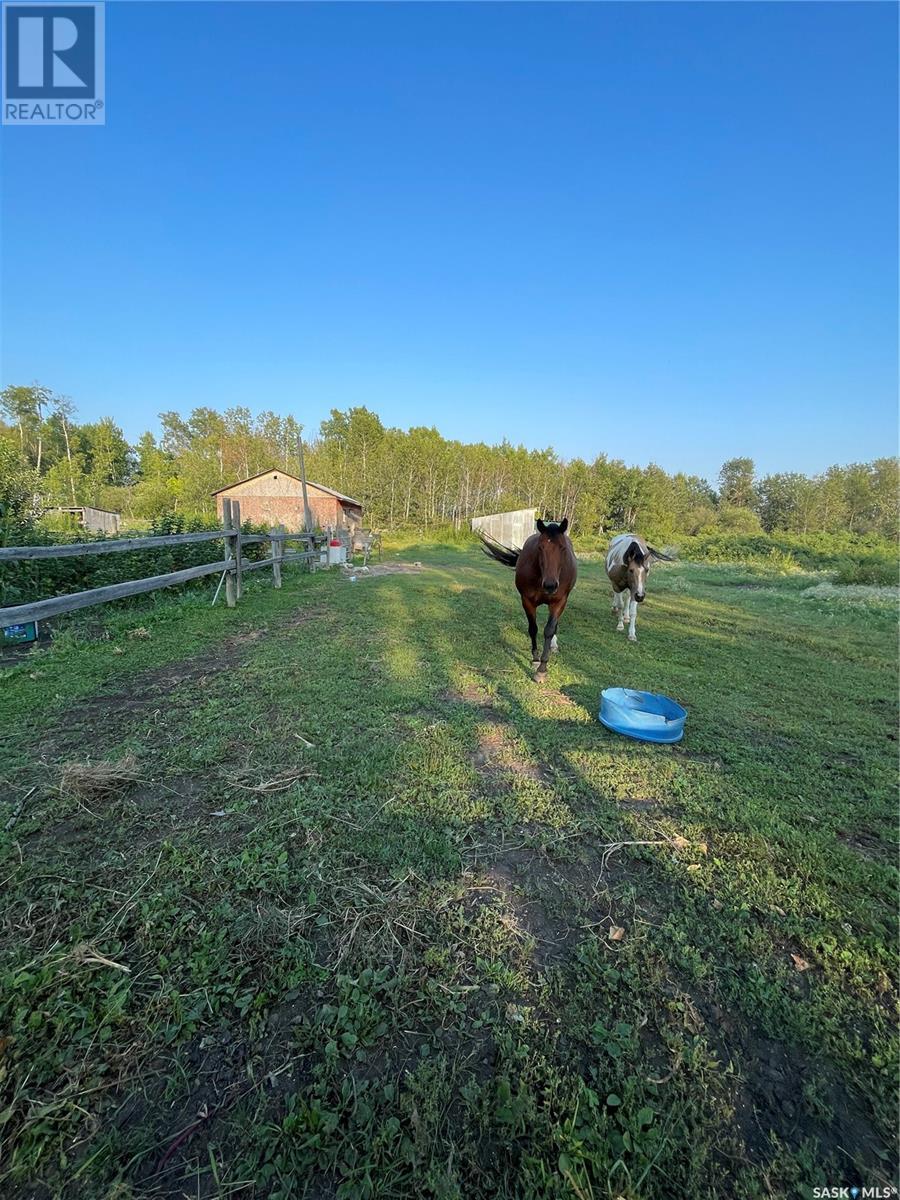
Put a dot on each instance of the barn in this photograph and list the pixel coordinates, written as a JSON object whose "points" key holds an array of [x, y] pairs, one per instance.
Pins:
{"points": [[96, 520], [276, 498], [509, 528]]}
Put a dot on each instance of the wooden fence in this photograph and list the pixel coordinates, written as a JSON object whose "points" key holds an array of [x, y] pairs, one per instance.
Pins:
{"points": [[233, 566]]}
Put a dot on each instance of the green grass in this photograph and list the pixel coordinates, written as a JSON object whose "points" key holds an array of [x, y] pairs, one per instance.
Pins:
{"points": [[394, 975]]}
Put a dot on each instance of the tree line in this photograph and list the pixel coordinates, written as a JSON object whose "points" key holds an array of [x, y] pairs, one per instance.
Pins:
{"points": [[404, 478]]}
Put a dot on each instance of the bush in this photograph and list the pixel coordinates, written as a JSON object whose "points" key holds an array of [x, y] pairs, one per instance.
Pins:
{"points": [[732, 519], [867, 559], [873, 572]]}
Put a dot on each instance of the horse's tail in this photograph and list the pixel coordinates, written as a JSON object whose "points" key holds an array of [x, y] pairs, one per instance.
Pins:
{"points": [[495, 550]]}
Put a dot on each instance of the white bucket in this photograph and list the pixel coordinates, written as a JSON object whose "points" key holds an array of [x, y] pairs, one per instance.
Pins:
{"points": [[336, 555]]}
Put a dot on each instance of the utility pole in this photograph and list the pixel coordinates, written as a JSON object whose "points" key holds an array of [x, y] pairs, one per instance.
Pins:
{"points": [[307, 517]]}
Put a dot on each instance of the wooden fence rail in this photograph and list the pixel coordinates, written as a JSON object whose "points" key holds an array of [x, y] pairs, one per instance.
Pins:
{"points": [[233, 565], [77, 549]]}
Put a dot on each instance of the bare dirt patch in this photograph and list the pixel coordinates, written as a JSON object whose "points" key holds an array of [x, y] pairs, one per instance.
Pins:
{"points": [[379, 569], [106, 714], [471, 694], [558, 900], [519, 881], [147, 691], [868, 845], [151, 811], [638, 803], [497, 753], [767, 1077], [300, 616], [768, 1088], [560, 699], [707, 760]]}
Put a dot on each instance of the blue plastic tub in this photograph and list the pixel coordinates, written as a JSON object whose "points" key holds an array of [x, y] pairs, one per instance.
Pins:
{"points": [[642, 715]]}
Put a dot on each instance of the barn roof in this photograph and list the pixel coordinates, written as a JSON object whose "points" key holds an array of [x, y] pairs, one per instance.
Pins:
{"points": [[309, 483]]}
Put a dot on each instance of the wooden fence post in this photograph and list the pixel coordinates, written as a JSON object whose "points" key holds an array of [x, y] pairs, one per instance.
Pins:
{"points": [[230, 591], [238, 549], [277, 551]]}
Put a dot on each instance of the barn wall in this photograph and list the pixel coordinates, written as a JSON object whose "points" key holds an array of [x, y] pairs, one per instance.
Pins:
{"points": [[276, 499], [351, 516], [272, 484], [510, 528], [97, 520], [286, 510]]}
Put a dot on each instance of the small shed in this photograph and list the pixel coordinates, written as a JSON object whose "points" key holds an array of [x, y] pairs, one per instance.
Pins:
{"points": [[95, 520], [509, 528], [275, 497]]}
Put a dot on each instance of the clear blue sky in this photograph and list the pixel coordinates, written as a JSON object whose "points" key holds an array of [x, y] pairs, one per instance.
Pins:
{"points": [[666, 232]]}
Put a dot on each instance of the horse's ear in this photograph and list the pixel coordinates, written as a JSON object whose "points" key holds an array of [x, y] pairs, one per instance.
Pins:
{"points": [[564, 525], [542, 528]]}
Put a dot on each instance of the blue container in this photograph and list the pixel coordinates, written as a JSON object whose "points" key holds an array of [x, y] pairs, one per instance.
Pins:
{"points": [[17, 635], [642, 715]]}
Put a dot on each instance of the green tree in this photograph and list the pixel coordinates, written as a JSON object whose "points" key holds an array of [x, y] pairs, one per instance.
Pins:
{"points": [[350, 442], [61, 420], [732, 519], [20, 504], [107, 456], [779, 500], [885, 496], [858, 496], [25, 407], [736, 483]]}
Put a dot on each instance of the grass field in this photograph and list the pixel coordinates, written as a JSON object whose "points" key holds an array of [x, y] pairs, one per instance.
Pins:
{"points": [[377, 916]]}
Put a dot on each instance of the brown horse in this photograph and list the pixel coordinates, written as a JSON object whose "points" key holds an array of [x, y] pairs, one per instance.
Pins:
{"points": [[546, 570]]}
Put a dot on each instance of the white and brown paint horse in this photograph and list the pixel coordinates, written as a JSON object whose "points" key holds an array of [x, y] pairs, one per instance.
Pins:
{"points": [[628, 563]]}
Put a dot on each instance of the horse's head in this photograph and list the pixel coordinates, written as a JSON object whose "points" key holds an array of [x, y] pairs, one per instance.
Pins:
{"points": [[638, 566], [551, 553]]}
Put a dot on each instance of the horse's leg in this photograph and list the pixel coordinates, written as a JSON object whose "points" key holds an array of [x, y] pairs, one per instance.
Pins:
{"points": [[556, 611], [618, 609], [632, 636], [531, 613]]}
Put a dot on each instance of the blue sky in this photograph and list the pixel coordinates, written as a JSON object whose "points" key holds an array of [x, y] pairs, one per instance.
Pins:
{"points": [[664, 232]]}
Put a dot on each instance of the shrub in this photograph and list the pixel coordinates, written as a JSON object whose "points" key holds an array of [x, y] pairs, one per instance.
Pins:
{"points": [[874, 571], [867, 559], [732, 519]]}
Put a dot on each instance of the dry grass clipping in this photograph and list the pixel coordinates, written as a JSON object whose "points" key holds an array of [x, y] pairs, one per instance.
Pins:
{"points": [[92, 781], [280, 782]]}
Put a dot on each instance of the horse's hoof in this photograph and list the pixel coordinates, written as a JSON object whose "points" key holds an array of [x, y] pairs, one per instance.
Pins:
{"points": [[632, 637]]}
